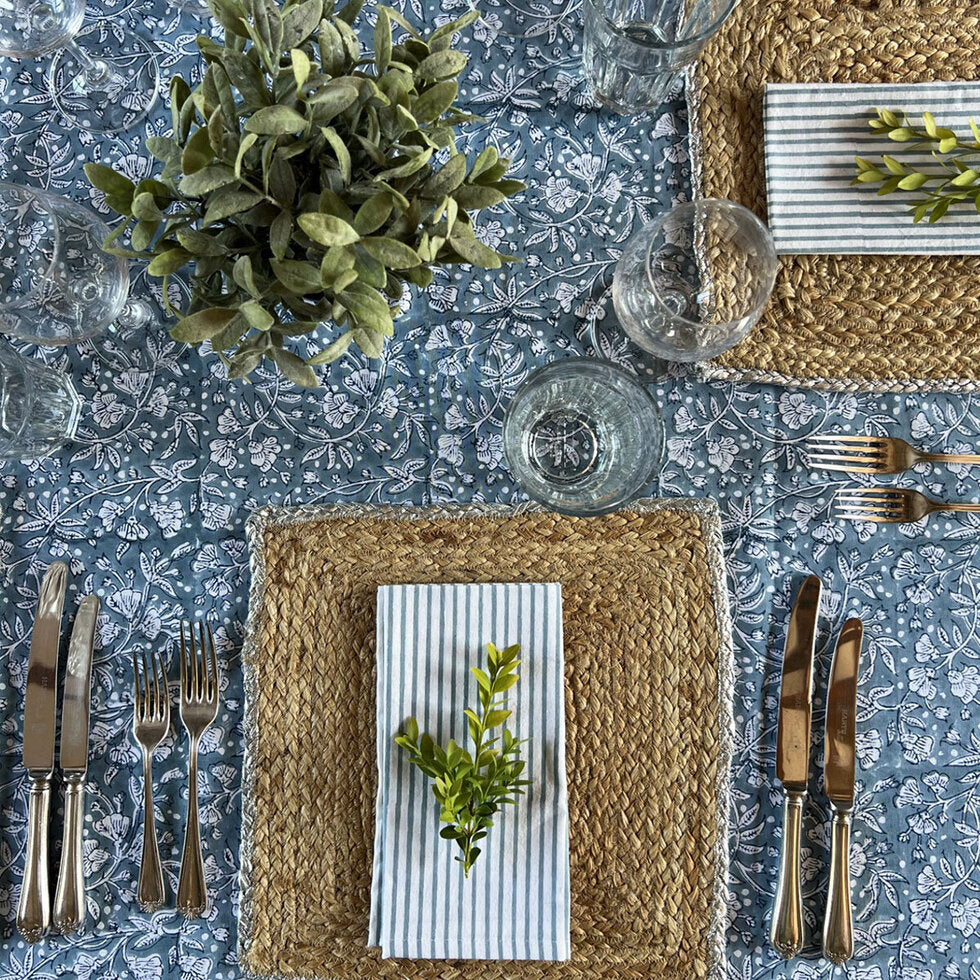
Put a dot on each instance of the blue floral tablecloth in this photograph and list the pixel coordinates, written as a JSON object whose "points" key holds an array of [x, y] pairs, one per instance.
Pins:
{"points": [[148, 506]]}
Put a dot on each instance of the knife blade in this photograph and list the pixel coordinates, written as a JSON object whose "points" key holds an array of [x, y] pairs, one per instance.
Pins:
{"points": [[792, 763], [69, 897], [838, 777], [40, 711]]}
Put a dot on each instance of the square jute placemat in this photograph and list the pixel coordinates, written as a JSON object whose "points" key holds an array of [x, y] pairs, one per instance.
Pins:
{"points": [[851, 322], [648, 674]]}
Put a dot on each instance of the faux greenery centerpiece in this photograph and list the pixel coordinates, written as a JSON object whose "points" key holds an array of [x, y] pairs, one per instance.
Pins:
{"points": [[471, 788], [955, 180], [307, 183]]}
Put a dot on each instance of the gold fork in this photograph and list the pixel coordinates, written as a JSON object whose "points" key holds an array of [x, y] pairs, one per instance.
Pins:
{"points": [[198, 709], [887, 505], [151, 722], [872, 454]]}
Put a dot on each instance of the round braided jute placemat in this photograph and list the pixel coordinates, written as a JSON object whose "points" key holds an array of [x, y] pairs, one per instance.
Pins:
{"points": [[648, 673], [852, 322]]}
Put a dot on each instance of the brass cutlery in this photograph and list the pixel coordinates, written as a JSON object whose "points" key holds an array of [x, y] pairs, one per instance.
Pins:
{"points": [[890, 505], [838, 778], [151, 722], [40, 710], [69, 896], [873, 454], [793, 763], [198, 709]]}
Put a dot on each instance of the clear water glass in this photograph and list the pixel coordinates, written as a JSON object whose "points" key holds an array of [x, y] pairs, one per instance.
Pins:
{"points": [[57, 285], [39, 407], [583, 436], [102, 79], [693, 283], [636, 50]]}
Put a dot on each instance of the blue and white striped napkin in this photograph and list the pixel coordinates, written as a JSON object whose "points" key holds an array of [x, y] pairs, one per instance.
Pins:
{"points": [[515, 904], [814, 131]]}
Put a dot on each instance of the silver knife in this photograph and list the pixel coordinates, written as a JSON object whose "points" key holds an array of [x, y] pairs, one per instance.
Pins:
{"points": [[792, 764], [69, 897], [40, 710], [838, 781]]}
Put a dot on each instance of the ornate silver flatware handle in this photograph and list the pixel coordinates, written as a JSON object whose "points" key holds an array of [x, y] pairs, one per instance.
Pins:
{"points": [[786, 933], [69, 897], [838, 936], [192, 891], [150, 890], [34, 907]]}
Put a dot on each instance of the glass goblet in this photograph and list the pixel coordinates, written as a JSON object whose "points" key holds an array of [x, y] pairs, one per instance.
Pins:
{"points": [[58, 287], [103, 79], [691, 284]]}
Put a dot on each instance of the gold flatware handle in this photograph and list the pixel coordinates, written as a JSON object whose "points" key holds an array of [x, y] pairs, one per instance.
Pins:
{"points": [[968, 459], [151, 890], [69, 896], [838, 937], [786, 932], [34, 906], [192, 890]]}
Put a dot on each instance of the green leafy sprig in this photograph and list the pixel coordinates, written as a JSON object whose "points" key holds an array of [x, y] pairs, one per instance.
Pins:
{"points": [[307, 182], [956, 179], [472, 788]]}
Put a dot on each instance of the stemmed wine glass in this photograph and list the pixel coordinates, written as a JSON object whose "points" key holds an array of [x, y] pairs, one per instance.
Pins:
{"points": [[57, 285], [103, 79]]}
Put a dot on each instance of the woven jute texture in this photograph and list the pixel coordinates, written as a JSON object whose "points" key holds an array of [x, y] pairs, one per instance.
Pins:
{"points": [[854, 322], [648, 700]]}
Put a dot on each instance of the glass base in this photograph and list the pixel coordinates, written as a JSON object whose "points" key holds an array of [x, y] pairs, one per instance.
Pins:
{"points": [[126, 345], [104, 84]]}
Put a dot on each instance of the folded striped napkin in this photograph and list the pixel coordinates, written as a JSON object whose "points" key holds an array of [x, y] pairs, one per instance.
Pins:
{"points": [[813, 132], [515, 904]]}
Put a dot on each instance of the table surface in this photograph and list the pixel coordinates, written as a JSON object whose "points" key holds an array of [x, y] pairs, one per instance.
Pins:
{"points": [[148, 507]]}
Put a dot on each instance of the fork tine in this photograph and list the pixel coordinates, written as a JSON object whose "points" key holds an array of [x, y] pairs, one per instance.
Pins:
{"points": [[165, 691], [184, 679], [846, 454], [843, 467], [149, 705], [212, 662], [831, 437], [875, 502], [192, 663], [872, 518], [136, 689], [157, 710]]}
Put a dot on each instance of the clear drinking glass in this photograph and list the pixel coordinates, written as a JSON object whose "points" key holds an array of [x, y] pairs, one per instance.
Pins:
{"points": [[583, 436], [39, 407], [98, 80], [635, 50], [694, 282], [58, 287]]}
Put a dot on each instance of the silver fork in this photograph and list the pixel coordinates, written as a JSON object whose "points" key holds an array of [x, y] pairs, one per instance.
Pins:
{"points": [[198, 709], [887, 505], [872, 454], [151, 722]]}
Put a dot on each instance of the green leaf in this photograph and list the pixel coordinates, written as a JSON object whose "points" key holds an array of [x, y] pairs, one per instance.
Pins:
{"points": [[229, 201], [369, 307], [446, 179], [373, 213], [280, 234], [394, 254], [334, 350], [267, 30], [197, 153], [168, 262], [894, 167], [382, 41], [299, 21], [256, 315], [207, 180], [434, 102], [107, 180], [965, 179], [326, 229], [441, 65], [495, 718], [247, 77], [340, 151], [301, 67], [481, 678], [295, 368], [948, 144], [912, 182], [298, 277], [370, 342], [276, 120], [410, 166], [473, 197], [202, 325]]}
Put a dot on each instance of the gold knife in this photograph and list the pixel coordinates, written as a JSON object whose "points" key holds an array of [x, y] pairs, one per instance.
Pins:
{"points": [[40, 711], [838, 781], [792, 764], [69, 896]]}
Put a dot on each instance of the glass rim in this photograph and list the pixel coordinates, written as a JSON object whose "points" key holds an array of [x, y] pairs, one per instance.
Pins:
{"points": [[693, 206], [701, 37], [656, 459]]}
